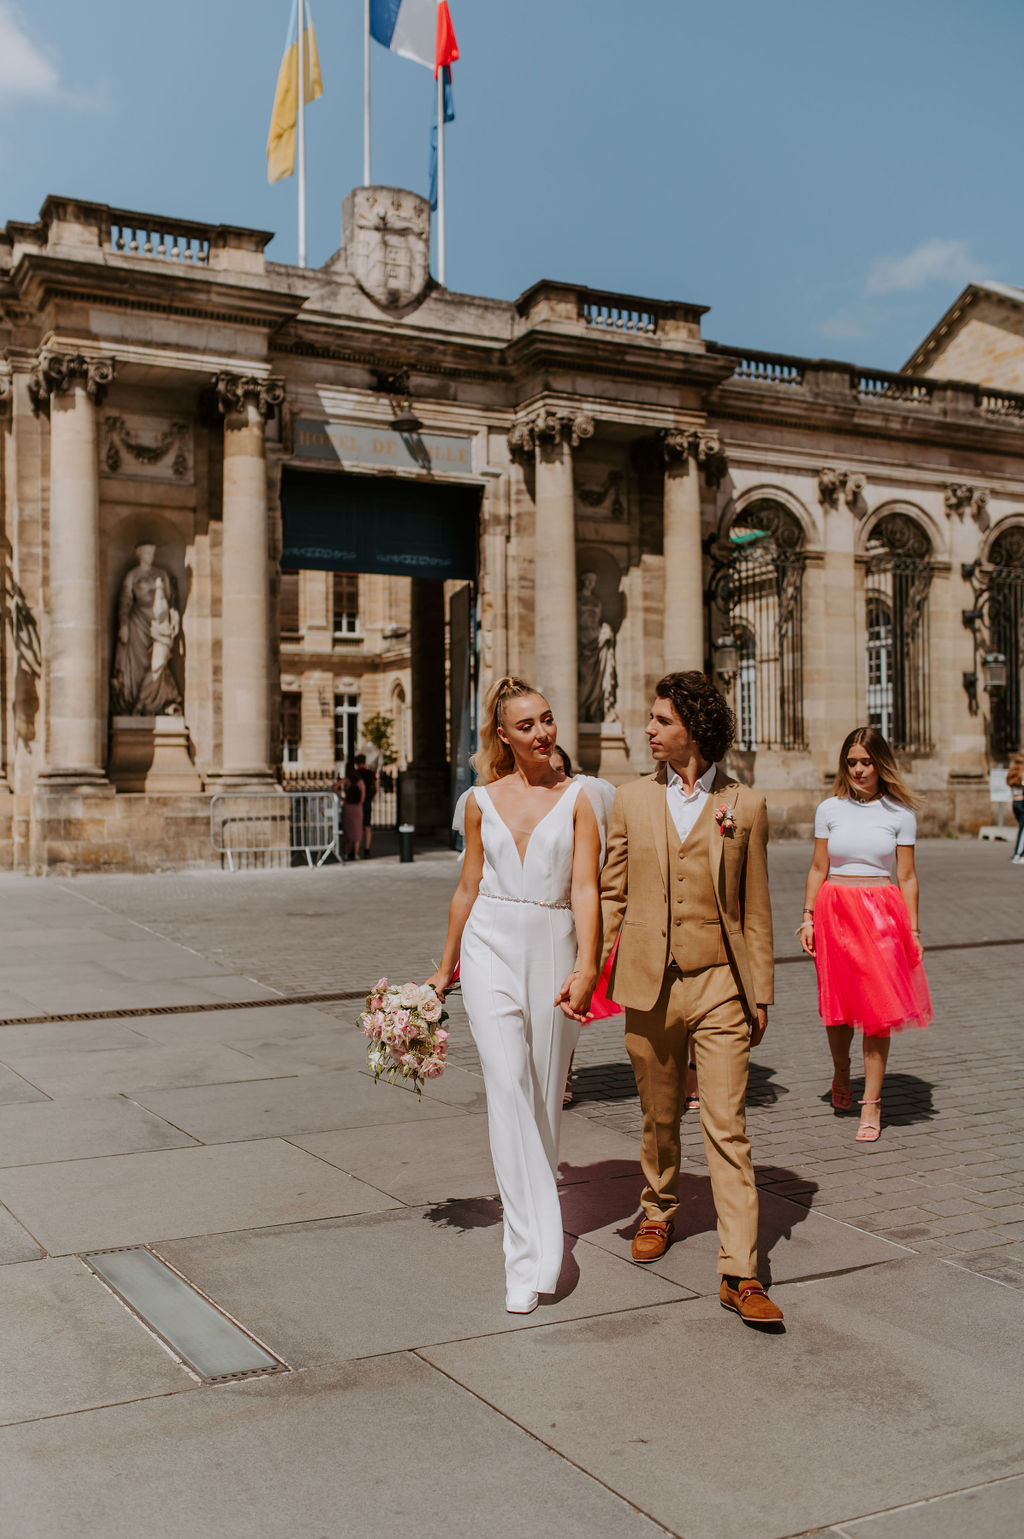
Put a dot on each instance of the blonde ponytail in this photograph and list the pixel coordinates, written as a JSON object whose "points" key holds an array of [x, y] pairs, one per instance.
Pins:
{"points": [[493, 758]]}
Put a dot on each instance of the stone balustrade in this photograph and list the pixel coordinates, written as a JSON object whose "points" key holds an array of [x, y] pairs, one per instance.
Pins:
{"points": [[75, 229], [608, 313], [180, 242], [623, 315], [824, 379]]}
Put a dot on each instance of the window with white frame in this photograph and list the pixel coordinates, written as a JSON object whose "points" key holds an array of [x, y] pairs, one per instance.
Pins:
{"points": [[345, 594], [346, 729]]}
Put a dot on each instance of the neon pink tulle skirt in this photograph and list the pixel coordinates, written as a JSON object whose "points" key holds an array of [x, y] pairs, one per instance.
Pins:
{"points": [[869, 975]]}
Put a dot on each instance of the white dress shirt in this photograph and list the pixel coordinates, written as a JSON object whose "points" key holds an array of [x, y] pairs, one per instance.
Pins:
{"points": [[685, 809]]}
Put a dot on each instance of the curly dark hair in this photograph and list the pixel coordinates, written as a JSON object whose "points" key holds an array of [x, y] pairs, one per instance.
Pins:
{"points": [[702, 710]]}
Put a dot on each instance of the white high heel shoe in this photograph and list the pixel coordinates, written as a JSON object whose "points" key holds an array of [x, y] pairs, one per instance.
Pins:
{"points": [[520, 1302]]}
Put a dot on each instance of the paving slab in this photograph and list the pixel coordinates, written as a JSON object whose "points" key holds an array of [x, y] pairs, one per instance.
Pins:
{"points": [[67, 1343], [793, 1241], [95, 1072], [865, 1372], [14, 1089], [130, 1199], [305, 1103], [296, 1052], [383, 1447], [16, 1244], [280, 1023], [434, 1161], [80, 1129], [352, 1288], [993, 1511]]}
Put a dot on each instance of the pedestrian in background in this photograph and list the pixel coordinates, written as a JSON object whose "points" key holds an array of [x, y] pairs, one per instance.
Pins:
{"points": [[860, 919], [1015, 780], [369, 780], [353, 795]]}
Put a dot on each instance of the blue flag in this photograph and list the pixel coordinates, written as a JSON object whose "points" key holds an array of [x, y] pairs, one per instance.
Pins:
{"points": [[449, 117]]}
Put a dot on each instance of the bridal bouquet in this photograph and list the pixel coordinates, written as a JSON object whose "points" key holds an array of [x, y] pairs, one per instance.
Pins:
{"points": [[405, 1025]]}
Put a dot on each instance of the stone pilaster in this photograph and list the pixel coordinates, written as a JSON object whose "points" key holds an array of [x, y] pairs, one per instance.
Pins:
{"points": [[245, 403], [429, 808], [551, 436], [69, 387], [686, 452]]}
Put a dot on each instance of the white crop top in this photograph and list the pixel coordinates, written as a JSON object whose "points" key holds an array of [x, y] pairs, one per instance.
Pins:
{"points": [[862, 836]]}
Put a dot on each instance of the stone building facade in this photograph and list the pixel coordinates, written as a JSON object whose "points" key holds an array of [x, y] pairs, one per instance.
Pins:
{"points": [[366, 493]]}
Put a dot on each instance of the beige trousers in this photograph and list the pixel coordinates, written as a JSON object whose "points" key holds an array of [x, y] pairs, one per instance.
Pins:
{"points": [[707, 1007]]}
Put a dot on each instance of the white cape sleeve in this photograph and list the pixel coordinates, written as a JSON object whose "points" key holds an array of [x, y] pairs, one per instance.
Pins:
{"points": [[600, 794]]}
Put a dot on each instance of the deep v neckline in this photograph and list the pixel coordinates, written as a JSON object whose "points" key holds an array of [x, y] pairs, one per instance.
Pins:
{"points": [[533, 830]]}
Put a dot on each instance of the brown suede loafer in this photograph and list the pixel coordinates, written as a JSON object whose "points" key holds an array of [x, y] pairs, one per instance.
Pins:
{"points": [[751, 1303], [652, 1239]]}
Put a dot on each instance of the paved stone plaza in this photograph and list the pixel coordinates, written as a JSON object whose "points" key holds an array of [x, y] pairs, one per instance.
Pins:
{"points": [[354, 1232]]}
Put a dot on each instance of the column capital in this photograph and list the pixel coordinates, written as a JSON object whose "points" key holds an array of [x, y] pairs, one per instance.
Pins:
{"points": [[55, 373], [235, 392], [679, 445], [548, 426], [5, 389]]}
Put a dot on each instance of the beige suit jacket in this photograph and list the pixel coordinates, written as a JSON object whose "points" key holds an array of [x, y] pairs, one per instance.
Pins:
{"points": [[635, 902]]}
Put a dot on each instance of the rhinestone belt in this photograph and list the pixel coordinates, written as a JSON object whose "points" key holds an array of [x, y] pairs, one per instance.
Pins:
{"points": [[503, 897]]}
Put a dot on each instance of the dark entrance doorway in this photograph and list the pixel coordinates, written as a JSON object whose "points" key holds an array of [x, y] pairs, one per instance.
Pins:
{"points": [[426, 531]]}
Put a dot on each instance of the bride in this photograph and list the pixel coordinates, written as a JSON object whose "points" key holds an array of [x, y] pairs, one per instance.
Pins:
{"points": [[525, 918]]}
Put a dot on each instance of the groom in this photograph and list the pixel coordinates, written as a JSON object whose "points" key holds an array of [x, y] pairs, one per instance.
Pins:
{"points": [[685, 890]]}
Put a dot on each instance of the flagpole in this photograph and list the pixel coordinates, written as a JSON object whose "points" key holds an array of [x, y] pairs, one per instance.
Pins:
{"points": [[440, 178], [366, 93], [300, 118]]}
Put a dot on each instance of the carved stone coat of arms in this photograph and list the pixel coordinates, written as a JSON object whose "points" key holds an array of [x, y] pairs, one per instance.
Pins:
{"points": [[386, 233]]}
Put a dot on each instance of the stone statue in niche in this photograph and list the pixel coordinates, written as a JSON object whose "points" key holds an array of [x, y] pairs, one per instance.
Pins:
{"points": [[148, 627], [595, 653]]}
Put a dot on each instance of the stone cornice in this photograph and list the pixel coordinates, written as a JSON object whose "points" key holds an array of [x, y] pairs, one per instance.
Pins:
{"points": [[55, 374]]}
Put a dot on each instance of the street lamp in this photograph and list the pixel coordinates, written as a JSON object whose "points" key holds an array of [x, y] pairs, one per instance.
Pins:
{"points": [[993, 672], [726, 653]]}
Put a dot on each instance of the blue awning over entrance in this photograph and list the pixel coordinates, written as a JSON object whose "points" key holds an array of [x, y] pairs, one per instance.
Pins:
{"points": [[402, 528]]}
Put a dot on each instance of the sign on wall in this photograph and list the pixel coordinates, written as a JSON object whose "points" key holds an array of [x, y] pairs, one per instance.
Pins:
{"points": [[347, 444], [361, 523]]}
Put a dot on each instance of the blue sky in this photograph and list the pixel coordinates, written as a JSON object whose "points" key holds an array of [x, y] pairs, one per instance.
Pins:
{"points": [[826, 176]]}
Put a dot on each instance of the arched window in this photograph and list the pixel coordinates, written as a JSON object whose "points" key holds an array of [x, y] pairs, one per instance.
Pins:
{"points": [[1006, 631], [758, 588], [746, 689], [879, 663], [899, 579]]}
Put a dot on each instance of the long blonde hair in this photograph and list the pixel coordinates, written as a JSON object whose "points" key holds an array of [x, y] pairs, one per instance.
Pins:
{"points": [[890, 781], [493, 758]]}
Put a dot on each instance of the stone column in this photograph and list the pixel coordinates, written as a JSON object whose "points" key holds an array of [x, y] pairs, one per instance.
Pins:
{"points": [[428, 772], [69, 386], [552, 435], [686, 454], [246, 403]]}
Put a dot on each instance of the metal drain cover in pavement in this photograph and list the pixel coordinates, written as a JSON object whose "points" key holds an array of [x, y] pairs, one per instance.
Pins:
{"points": [[196, 1331]]}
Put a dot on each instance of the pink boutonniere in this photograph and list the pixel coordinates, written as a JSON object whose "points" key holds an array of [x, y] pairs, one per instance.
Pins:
{"points": [[725, 819]]}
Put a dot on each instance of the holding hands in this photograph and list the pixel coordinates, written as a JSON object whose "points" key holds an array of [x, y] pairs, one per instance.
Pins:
{"points": [[573, 998]]}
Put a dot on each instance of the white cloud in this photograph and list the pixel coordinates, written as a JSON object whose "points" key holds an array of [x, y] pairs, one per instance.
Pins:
{"points": [[844, 326], [933, 261], [25, 71]]}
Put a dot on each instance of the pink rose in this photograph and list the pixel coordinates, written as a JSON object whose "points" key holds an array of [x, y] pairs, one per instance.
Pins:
{"points": [[441, 1036], [432, 1068]]}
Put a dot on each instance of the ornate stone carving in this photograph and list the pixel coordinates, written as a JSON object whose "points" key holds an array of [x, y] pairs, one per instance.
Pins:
{"points": [[235, 391], [387, 244], [961, 499], [5, 391], [549, 426], [123, 436], [679, 445], [595, 655], [148, 627], [834, 483], [595, 496], [55, 373]]}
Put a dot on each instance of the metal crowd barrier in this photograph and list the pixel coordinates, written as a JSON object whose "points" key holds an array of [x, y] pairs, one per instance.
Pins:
{"points": [[266, 828]]}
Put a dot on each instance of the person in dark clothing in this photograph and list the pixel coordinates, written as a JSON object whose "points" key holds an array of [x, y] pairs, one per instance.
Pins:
{"points": [[369, 780]]}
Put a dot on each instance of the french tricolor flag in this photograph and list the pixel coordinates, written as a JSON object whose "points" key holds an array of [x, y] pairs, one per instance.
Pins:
{"points": [[417, 29]]}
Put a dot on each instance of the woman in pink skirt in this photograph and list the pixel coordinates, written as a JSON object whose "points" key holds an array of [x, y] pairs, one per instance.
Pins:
{"points": [[860, 918]]}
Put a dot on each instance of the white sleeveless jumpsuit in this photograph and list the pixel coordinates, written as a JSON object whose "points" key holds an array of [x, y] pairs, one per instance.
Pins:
{"points": [[515, 957]]}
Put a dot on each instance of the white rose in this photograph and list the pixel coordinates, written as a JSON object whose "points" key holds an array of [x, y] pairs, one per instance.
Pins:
{"points": [[431, 1010], [409, 994]]}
